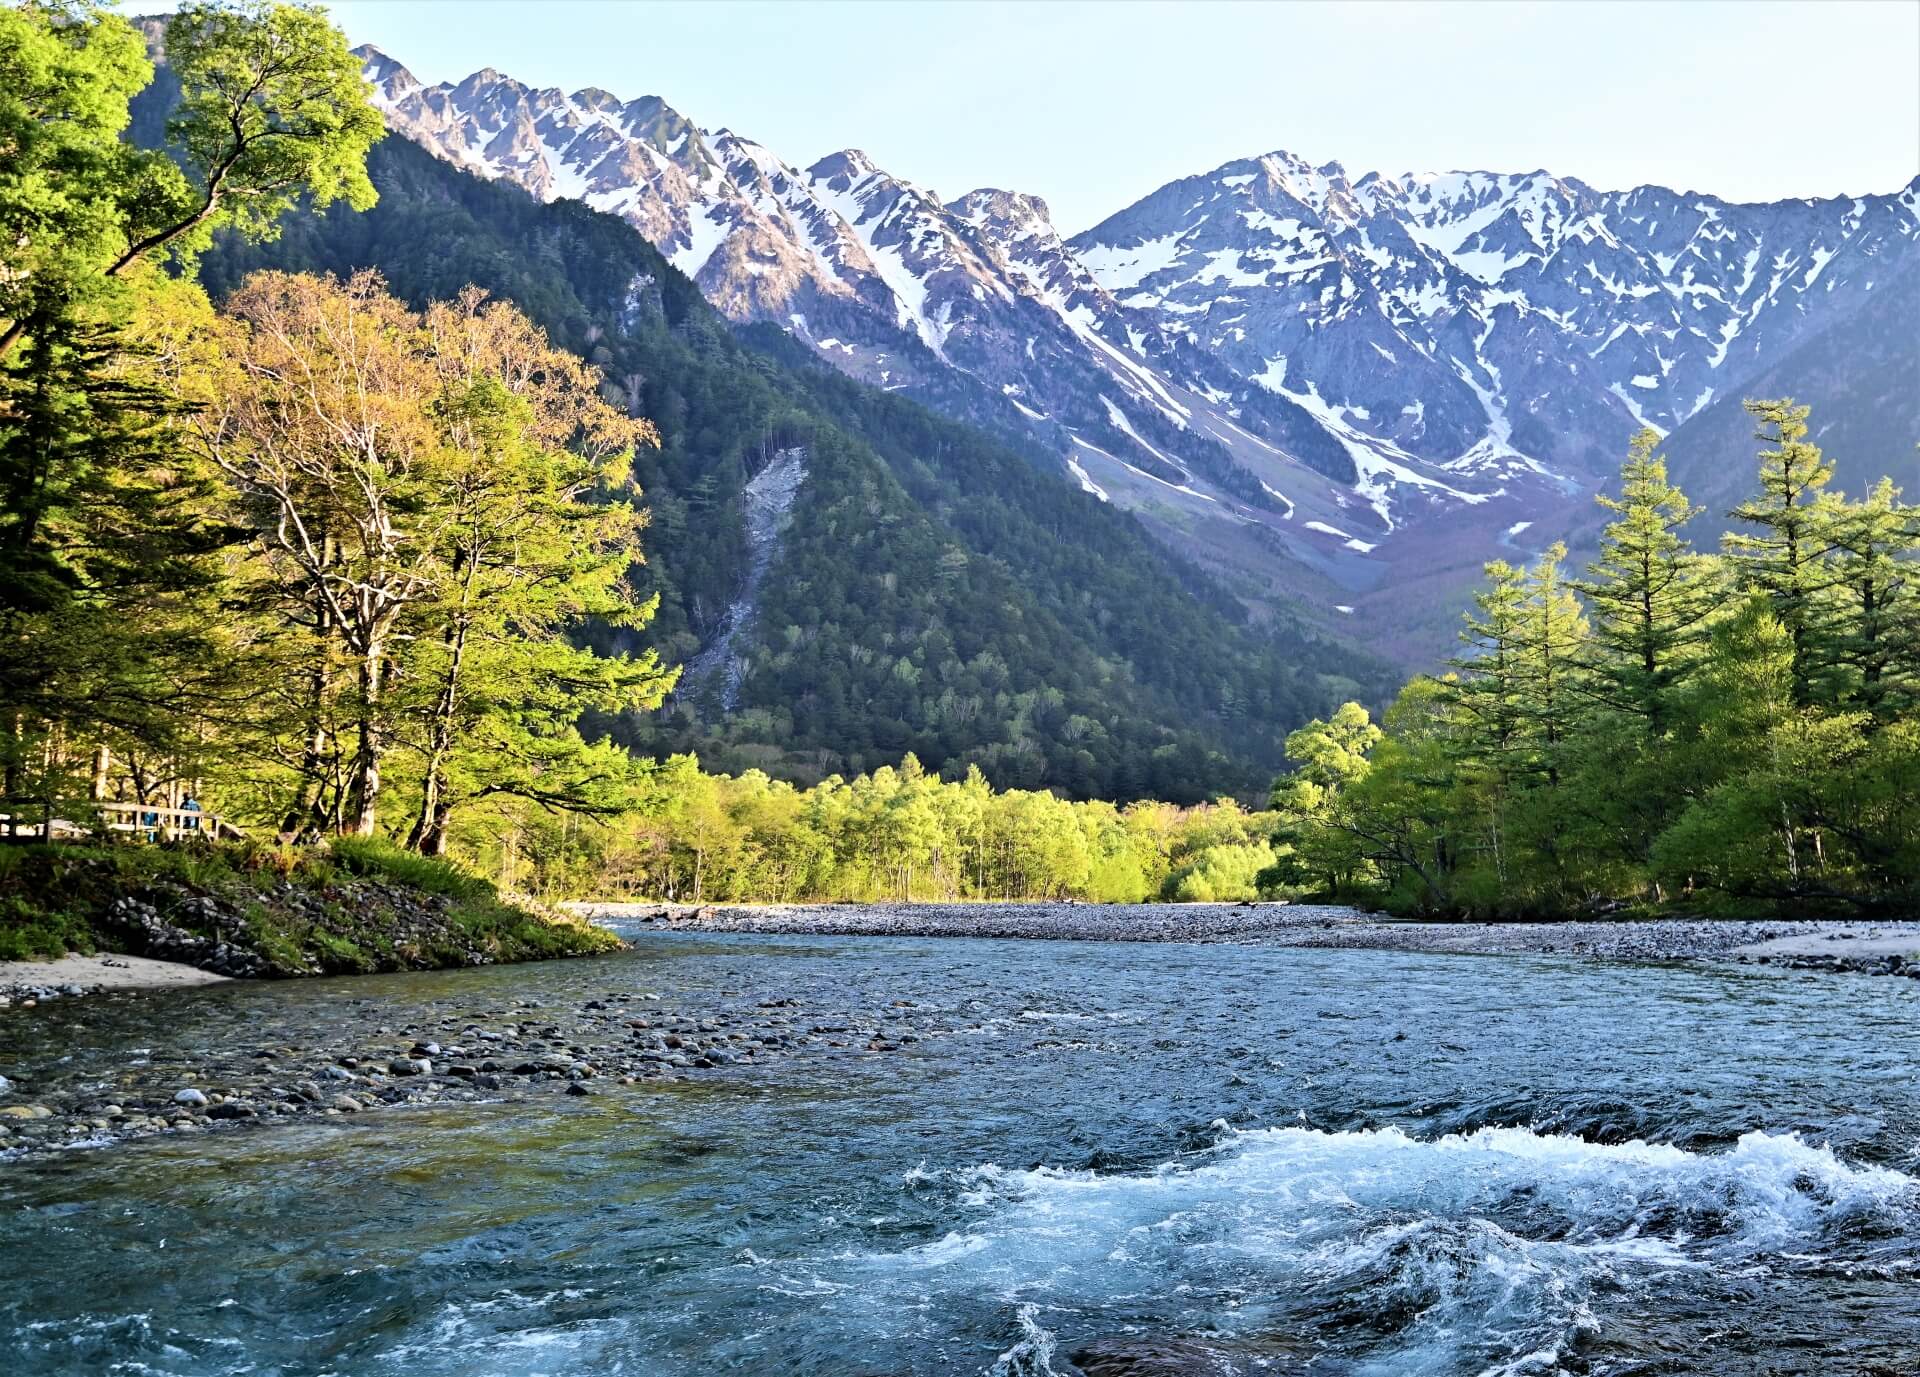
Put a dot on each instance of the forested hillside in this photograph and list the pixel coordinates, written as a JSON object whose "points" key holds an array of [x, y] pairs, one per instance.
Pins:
{"points": [[935, 591]]}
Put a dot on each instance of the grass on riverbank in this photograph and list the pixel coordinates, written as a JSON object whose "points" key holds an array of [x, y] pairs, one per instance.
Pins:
{"points": [[354, 905]]}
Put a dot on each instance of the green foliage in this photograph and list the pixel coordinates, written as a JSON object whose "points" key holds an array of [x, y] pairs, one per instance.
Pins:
{"points": [[271, 105], [1786, 556], [111, 625], [1650, 595], [895, 833], [67, 73], [1742, 754]]}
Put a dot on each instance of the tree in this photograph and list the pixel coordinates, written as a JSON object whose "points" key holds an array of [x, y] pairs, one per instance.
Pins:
{"points": [[1876, 632], [108, 618], [1546, 657], [537, 538], [1785, 560], [1758, 831], [325, 435], [272, 105], [67, 73], [104, 550], [1332, 755], [1649, 594], [1488, 687]]}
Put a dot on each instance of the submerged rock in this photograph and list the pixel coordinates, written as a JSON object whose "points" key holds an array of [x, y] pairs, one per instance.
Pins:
{"points": [[1129, 1355]]}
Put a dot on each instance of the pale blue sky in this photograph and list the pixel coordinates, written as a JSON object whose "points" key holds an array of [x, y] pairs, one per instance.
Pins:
{"points": [[1095, 105]]}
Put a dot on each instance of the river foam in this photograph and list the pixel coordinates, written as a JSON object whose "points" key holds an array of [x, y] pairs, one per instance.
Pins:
{"points": [[1480, 1251]]}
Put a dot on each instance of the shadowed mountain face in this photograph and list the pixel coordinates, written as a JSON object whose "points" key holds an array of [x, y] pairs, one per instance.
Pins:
{"points": [[1347, 390]]}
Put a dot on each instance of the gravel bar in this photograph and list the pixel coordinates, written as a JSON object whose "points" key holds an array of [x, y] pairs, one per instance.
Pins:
{"points": [[1889, 948]]}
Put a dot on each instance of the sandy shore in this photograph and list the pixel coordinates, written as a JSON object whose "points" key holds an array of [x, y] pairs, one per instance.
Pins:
{"points": [[1813, 944], [84, 974]]}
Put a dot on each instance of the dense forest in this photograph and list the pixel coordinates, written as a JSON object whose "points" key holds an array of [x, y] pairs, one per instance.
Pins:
{"points": [[896, 833], [1735, 730], [939, 589]]}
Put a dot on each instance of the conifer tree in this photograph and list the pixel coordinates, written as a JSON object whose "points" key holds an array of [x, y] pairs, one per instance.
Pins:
{"points": [[1875, 639], [1553, 632], [1785, 561], [1650, 596], [1488, 687]]}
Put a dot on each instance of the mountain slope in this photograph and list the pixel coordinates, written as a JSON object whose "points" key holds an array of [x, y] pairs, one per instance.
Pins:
{"points": [[1343, 390], [1491, 323], [923, 596], [974, 306], [1862, 380]]}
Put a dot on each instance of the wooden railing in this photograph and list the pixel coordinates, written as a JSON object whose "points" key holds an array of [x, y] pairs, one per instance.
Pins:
{"points": [[71, 820]]}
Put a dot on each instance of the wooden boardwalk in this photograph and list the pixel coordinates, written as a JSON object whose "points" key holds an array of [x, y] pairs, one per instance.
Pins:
{"points": [[80, 820]]}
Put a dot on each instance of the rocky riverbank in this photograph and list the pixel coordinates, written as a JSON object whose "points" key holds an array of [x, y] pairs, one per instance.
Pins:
{"points": [[28, 982], [1873, 948], [613, 1041], [355, 906]]}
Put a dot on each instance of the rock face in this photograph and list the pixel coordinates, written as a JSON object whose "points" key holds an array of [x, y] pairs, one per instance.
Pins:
{"points": [[1492, 322], [769, 497], [1338, 384]]}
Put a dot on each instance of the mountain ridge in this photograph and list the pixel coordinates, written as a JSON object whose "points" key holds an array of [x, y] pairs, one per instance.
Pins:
{"points": [[1315, 384]]}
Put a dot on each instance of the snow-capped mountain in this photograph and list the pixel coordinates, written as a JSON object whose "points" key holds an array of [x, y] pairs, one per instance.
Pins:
{"points": [[1481, 321], [1318, 383]]}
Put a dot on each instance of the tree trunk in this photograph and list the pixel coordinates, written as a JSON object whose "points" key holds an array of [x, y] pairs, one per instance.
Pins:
{"points": [[305, 809], [364, 791], [429, 835]]}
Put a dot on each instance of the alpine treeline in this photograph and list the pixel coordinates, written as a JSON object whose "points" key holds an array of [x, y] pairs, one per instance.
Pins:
{"points": [[1735, 730]]}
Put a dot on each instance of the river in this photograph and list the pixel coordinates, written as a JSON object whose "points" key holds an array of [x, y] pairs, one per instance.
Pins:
{"points": [[1337, 1162]]}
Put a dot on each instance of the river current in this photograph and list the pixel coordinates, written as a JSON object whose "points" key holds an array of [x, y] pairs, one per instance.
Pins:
{"points": [[1286, 1161]]}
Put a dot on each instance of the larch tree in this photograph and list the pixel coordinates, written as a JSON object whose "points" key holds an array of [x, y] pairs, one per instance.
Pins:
{"points": [[1786, 559], [1548, 655], [1649, 594], [1876, 640]]}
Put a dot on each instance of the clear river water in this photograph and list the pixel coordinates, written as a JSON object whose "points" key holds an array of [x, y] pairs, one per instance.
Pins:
{"points": [[1287, 1161]]}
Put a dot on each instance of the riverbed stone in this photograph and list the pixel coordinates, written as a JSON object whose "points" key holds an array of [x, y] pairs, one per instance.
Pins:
{"points": [[190, 1096], [1137, 1356]]}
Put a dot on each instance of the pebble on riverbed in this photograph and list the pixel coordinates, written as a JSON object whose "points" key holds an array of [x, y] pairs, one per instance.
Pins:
{"points": [[624, 1040]]}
